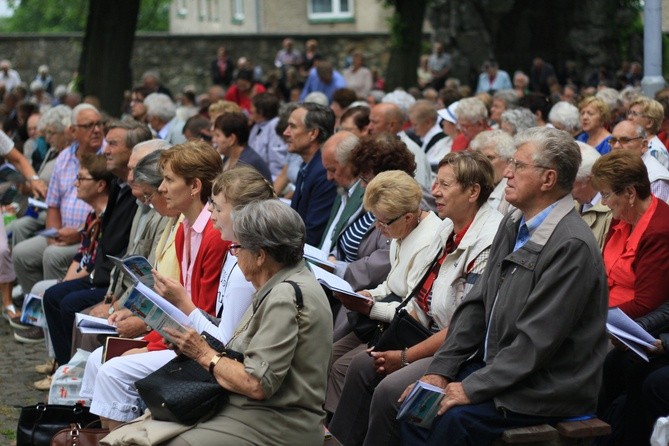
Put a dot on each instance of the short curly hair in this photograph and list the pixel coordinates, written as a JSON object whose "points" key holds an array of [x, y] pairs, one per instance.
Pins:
{"points": [[380, 153]]}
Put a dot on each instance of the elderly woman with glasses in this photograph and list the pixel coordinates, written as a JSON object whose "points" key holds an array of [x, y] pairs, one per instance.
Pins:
{"points": [[393, 197], [649, 114], [458, 254], [637, 247], [276, 395]]}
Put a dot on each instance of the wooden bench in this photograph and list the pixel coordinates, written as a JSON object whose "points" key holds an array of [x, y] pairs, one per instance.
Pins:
{"points": [[563, 434]]}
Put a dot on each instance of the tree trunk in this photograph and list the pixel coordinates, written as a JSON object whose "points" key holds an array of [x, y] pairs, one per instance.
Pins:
{"points": [[406, 38], [104, 67]]}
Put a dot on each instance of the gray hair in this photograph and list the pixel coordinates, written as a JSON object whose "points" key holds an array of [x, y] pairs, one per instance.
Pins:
{"points": [[159, 105], [58, 117], [272, 226], [555, 149], [566, 115], [400, 98], [588, 157], [510, 98], [152, 145], [520, 119], [80, 108], [147, 172], [471, 110], [610, 97], [135, 131], [319, 117], [317, 97], [343, 150], [497, 140]]}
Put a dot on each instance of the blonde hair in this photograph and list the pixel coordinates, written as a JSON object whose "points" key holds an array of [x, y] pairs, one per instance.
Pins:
{"points": [[393, 192], [242, 185], [194, 159], [599, 105], [652, 110], [220, 107]]}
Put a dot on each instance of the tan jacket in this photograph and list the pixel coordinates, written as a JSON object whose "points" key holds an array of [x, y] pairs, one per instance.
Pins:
{"points": [[598, 219]]}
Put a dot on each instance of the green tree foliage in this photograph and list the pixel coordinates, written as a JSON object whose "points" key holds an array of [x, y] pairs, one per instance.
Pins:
{"points": [[44, 16]]}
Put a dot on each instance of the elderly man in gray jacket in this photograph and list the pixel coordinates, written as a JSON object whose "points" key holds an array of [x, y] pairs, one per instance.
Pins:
{"points": [[527, 344]]}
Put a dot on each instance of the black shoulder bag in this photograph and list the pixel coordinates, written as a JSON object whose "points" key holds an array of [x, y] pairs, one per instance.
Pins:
{"points": [[403, 331]]}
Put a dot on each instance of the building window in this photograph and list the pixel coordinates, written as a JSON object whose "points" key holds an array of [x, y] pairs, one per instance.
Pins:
{"points": [[182, 9], [237, 11], [330, 9]]}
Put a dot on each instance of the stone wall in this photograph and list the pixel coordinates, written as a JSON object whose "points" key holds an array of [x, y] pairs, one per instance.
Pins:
{"points": [[181, 60]]}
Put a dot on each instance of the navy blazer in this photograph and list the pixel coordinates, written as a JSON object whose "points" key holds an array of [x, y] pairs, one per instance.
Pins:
{"points": [[313, 198]]}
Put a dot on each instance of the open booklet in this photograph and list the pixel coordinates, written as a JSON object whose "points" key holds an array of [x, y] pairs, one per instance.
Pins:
{"points": [[624, 329], [334, 283], [88, 324], [421, 405], [154, 310], [318, 257], [137, 267]]}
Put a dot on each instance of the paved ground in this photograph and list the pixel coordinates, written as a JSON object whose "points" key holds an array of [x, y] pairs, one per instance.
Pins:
{"points": [[17, 373]]}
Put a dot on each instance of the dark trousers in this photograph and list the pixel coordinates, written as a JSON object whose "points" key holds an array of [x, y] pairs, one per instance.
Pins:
{"points": [[634, 394], [471, 424], [61, 302]]}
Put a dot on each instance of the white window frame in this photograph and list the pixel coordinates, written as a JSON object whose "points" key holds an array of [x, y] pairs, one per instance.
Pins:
{"points": [[237, 14], [335, 14]]}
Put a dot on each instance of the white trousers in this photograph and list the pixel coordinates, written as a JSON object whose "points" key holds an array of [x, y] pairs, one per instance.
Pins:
{"points": [[111, 385]]}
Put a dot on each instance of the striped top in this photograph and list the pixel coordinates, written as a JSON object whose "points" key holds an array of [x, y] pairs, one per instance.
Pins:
{"points": [[352, 236]]}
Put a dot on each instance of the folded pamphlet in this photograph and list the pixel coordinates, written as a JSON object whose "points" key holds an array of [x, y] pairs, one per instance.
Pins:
{"points": [[334, 283], [623, 328], [421, 405]]}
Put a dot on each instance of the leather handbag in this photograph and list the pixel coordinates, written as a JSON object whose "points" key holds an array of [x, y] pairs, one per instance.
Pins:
{"points": [[40, 422], [403, 332], [182, 390], [367, 329], [75, 435]]}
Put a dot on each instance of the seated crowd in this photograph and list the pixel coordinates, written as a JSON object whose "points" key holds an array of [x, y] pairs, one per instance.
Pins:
{"points": [[505, 224]]}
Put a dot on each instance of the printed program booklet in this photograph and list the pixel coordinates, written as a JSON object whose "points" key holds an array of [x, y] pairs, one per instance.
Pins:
{"points": [[137, 267], [318, 257], [334, 283], [88, 324], [421, 405], [624, 329], [154, 310]]}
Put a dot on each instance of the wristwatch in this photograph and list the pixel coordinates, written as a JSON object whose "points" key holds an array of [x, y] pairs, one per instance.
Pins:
{"points": [[35, 178], [403, 357]]}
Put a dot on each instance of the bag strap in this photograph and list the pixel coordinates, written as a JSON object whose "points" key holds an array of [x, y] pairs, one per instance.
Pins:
{"points": [[417, 288], [298, 296]]}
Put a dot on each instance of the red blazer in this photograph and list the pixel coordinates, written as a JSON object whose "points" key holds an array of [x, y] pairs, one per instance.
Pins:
{"points": [[206, 274], [650, 266]]}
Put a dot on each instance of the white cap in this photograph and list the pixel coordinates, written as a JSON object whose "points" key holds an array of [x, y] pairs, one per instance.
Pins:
{"points": [[448, 113]]}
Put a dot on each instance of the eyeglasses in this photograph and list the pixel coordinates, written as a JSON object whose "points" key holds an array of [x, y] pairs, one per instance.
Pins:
{"points": [[80, 179], [613, 141], [633, 114], [606, 195], [387, 225], [234, 248], [364, 179], [90, 126], [146, 199], [516, 165]]}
